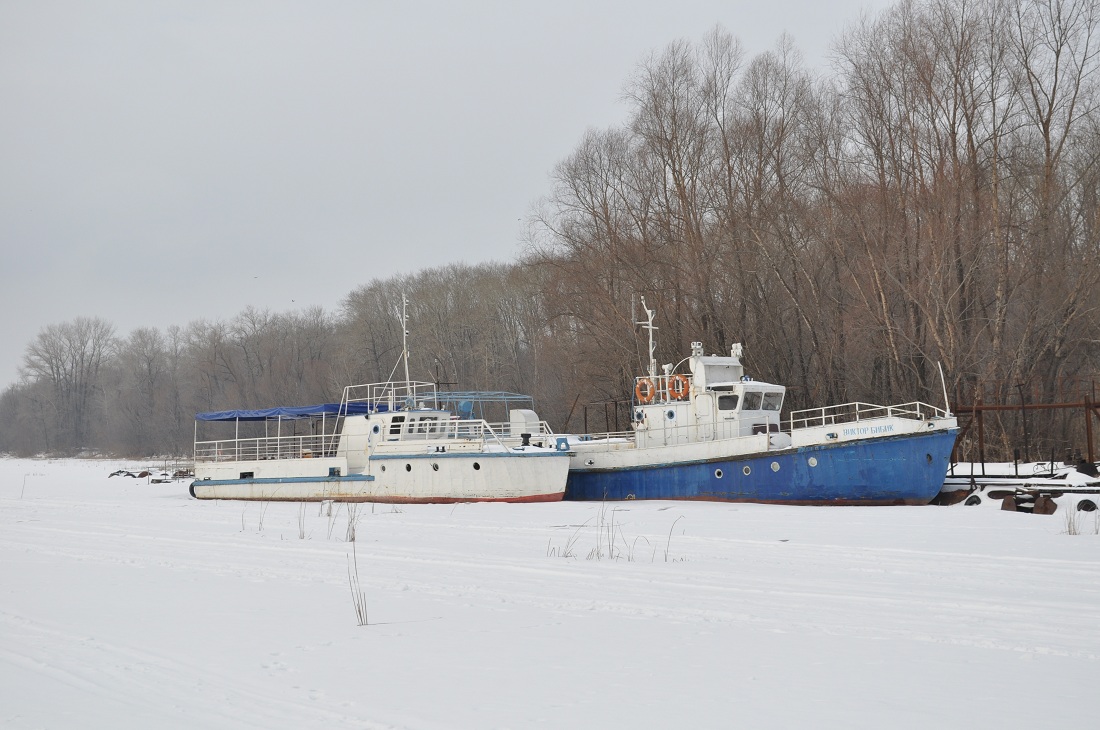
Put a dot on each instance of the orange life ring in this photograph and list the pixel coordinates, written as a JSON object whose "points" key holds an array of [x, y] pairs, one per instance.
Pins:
{"points": [[678, 387], [645, 390]]}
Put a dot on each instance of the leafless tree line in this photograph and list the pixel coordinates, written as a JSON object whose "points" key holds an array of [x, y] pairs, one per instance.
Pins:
{"points": [[83, 387], [937, 199]]}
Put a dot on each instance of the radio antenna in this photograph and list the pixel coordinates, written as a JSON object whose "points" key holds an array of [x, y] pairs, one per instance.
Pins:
{"points": [[648, 325]]}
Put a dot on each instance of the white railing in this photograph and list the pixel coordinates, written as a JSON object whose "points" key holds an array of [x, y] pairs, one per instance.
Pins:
{"points": [[584, 438], [315, 446], [608, 441], [508, 428], [393, 396], [856, 411], [470, 429], [264, 448], [455, 429]]}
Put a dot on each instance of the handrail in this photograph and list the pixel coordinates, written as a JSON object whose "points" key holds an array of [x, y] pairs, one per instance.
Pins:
{"points": [[318, 445], [263, 448], [392, 395], [605, 435], [857, 411], [506, 427], [472, 429]]}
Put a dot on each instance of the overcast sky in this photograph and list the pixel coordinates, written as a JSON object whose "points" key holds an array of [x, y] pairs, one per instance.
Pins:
{"points": [[164, 161]]}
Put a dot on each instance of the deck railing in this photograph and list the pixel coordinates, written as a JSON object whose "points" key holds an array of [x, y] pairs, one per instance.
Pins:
{"points": [[856, 411], [392, 396], [508, 430], [265, 448]]}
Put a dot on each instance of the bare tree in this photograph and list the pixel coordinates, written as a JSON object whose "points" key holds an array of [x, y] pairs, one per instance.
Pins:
{"points": [[67, 358]]}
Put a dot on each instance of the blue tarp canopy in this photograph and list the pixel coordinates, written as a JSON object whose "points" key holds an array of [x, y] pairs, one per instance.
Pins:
{"points": [[288, 412], [465, 403]]}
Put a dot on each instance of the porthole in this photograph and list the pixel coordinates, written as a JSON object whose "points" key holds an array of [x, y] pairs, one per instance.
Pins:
{"points": [[812, 461], [746, 470], [775, 466], [671, 415], [717, 473], [476, 466], [435, 467], [383, 467], [375, 429], [408, 467]]}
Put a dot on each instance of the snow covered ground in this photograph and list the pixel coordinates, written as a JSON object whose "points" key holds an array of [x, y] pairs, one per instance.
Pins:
{"points": [[125, 604]]}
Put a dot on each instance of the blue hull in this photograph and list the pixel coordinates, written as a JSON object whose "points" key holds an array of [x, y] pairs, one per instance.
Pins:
{"points": [[901, 470]]}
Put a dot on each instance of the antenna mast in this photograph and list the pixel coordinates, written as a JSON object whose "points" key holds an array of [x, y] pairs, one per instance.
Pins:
{"points": [[405, 338], [648, 324], [943, 382]]}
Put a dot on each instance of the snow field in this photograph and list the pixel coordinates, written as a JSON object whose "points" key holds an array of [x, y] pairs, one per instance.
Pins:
{"points": [[125, 604]]}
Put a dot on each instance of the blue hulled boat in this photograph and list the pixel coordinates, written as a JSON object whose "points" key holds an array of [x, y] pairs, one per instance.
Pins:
{"points": [[713, 433]]}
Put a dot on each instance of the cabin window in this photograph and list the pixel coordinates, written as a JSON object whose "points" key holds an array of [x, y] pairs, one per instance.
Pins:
{"points": [[752, 400], [727, 402], [773, 401], [395, 425]]}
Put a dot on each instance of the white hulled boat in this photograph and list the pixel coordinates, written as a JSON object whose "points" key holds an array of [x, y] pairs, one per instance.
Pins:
{"points": [[383, 442]]}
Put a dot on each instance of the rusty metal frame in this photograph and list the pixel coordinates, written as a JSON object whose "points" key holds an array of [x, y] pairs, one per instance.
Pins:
{"points": [[1088, 405]]}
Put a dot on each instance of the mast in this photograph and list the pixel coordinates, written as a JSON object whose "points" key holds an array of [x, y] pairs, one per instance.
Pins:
{"points": [[405, 338], [648, 324]]}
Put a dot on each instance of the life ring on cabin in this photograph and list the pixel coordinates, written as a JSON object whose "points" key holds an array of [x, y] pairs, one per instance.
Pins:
{"points": [[645, 390], [678, 387]]}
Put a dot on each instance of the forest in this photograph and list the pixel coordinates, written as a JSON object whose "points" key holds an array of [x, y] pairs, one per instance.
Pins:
{"points": [[931, 200]]}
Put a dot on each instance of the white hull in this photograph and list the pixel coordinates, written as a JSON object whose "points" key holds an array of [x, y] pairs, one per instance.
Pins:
{"points": [[523, 474]]}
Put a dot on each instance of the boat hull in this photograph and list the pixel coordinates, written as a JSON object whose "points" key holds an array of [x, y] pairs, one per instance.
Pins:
{"points": [[438, 478], [907, 469]]}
